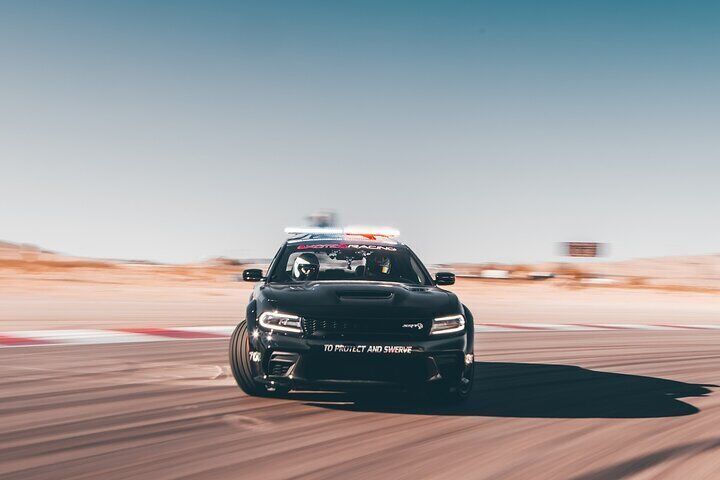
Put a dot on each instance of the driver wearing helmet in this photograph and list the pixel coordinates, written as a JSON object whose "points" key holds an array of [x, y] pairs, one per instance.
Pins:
{"points": [[305, 267], [379, 265]]}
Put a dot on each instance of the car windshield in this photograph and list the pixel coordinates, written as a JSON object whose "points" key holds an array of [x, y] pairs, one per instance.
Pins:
{"points": [[346, 261]]}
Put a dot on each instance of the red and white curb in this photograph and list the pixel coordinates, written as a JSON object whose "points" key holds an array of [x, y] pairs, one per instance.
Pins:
{"points": [[32, 338]]}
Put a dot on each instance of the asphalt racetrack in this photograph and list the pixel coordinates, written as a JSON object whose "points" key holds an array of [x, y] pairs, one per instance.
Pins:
{"points": [[560, 405]]}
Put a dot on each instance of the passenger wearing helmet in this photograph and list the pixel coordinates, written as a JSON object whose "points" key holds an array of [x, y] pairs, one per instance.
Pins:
{"points": [[305, 267], [379, 265]]}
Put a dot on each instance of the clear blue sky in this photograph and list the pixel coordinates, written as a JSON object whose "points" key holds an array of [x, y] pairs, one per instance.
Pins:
{"points": [[180, 130]]}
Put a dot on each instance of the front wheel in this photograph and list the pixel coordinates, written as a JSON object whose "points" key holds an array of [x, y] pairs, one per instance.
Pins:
{"points": [[240, 364], [457, 393]]}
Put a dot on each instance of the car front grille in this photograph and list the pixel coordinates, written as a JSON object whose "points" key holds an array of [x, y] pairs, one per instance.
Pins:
{"points": [[383, 369], [385, 327]]}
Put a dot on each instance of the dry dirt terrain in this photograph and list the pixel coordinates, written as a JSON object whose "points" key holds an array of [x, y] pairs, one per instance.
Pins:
{"points": [[41, 290], [41, 303]]}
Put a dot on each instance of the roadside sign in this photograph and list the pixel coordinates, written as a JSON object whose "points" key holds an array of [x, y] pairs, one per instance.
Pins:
{"points": [[582, 249]]}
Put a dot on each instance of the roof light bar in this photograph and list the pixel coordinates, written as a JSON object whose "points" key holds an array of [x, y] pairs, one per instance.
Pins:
{"points": [[372, 231], [352, 230], [313, 231]]}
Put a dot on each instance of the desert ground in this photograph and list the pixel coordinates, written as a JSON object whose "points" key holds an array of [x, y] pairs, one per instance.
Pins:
{"points": [[46, 290], [581, 405]]}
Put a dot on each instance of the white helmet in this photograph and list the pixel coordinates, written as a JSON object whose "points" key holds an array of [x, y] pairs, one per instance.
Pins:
{"points": [[305, 267]]}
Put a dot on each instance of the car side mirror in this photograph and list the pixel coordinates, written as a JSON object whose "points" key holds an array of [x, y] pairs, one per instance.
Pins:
{"points": [[444, 278], [252, 275]]}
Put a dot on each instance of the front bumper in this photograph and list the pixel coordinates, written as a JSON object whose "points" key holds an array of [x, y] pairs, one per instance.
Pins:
{"points": [[290, 362]]}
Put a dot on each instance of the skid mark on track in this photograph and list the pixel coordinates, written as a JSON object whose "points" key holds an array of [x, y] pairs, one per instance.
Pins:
{"points": [[245, 422], [179, 374]]}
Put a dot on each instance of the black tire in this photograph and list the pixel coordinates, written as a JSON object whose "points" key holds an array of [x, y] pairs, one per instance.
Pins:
{"points": [[464, 388], [240, 362], [460, 392]]}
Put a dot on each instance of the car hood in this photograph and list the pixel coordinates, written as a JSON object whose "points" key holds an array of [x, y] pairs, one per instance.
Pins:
{"points": [[357, 299]]}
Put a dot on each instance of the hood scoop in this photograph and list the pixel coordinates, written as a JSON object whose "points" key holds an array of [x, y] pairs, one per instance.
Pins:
{"points": [[364, 295]]}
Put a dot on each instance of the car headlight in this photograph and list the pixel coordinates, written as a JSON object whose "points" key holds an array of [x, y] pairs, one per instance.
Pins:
{"points": [[281, 321], [451, 324]]}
